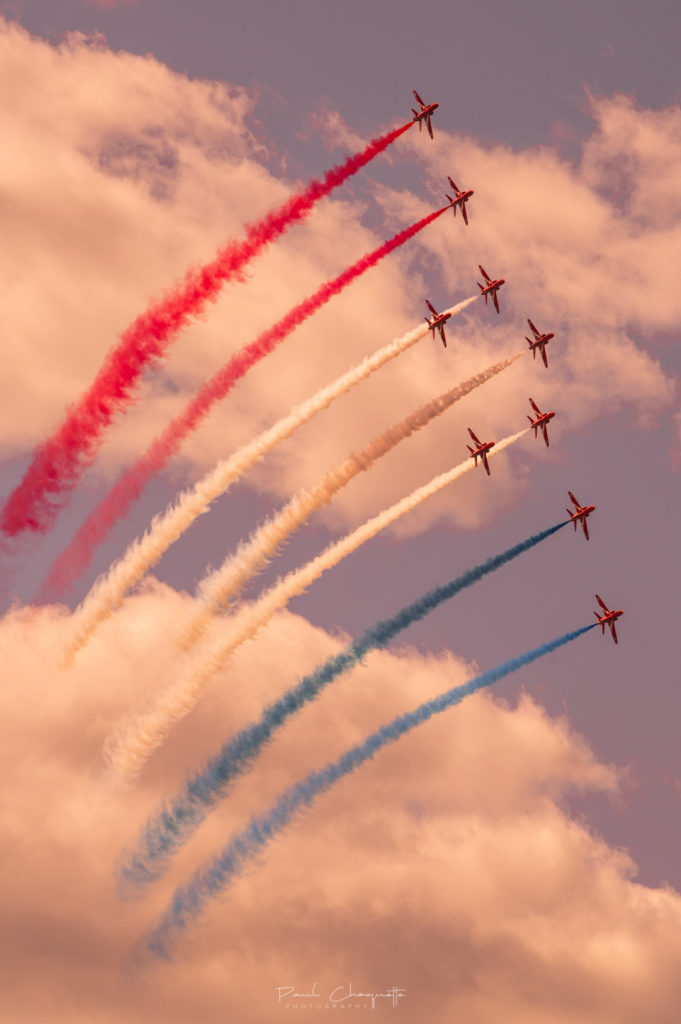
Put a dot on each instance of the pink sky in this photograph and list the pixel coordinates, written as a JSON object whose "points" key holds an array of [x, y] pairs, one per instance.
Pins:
{"points": [[517, 856]]}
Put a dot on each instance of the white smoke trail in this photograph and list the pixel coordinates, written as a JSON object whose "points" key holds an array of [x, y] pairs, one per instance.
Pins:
{"points": [[217, 588], [127, 750], [109, 590]]}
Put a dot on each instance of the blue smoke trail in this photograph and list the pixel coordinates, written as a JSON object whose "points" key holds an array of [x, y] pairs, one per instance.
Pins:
{"points": [[173, 825], [189, 901]]}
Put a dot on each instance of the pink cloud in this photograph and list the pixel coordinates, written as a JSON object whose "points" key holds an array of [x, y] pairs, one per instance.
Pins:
{"points": [[462, 882]]}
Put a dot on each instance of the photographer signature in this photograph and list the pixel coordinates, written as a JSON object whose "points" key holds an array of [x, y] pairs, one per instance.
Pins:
{"points": [[340, 995]]}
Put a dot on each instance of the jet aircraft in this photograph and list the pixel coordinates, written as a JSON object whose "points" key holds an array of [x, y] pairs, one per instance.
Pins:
{"points": [[480, 451], [425, 113], [609, 619], [461, 197], [583, 511], [540, 341], [438, 322], [542, 421], [490, 287]]}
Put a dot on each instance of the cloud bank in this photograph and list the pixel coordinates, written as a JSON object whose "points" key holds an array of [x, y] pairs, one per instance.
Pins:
{"points": [[446, 866]]}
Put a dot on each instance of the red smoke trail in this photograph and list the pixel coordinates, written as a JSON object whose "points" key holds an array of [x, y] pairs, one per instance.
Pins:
{"points": [[131, 483], [59, 462]]}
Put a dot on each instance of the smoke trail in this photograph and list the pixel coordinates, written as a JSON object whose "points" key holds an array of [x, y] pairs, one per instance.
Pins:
{"points": [[128, 750], [165, 529], [59, 462], [253, 554], [176, 822], [133, 481], [189, 900]]}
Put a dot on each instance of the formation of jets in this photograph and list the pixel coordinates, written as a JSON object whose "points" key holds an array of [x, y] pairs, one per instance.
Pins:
{"points": [[538, 342]]}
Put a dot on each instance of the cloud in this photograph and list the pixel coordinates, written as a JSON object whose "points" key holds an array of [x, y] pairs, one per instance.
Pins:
{"points": [[115, 190], [94, 217], [446, 866]]}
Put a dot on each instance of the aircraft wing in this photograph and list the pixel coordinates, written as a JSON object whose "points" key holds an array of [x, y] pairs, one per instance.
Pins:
{"points": [[476, 439], [429, 127], [535, 407], [431, 307], [452, 184], [485, 274], [574, 500], [533, 328], [613, 631], [463, 211], [418, 98], [545, 432], [586, 528], [442, 334], [603, 606], [485, 462], [495, 300], [544, 356]]}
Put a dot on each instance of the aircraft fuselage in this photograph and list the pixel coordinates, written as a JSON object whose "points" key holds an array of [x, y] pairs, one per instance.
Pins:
{"points": [[426, 112], [582, 513]]}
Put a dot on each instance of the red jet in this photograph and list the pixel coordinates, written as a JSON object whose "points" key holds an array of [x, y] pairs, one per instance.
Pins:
{"points": [[540, 341], [438, 322], [609, 619], [460, 199], [542, 421], [425, 113], [480, 451], [490, 287], [582, 512]]}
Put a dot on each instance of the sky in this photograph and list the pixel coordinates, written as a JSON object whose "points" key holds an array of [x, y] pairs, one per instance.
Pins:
{"points": [[516, 855]]}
